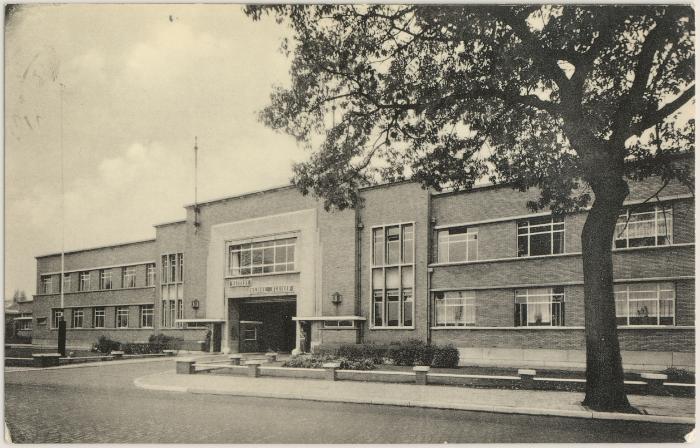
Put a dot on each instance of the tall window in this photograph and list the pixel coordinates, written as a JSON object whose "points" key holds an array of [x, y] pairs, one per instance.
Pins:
{"points": [[129, 277], [122, 317], [146, 312], [457, 244], [171, 314], [84, 284], [46, 284], [105, 279], [645, 304], [98, 320], [78, 316], [67, 287], [172, 268], [454, 309], [539, 307], [150, 274], [56, 317], [648, 226], [541, 236], [262, 257], [180, 311], [393, 276]]}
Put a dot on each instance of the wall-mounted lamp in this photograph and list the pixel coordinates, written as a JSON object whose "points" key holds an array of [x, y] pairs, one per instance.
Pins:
{"points": [[195, 304], [336, 298]]}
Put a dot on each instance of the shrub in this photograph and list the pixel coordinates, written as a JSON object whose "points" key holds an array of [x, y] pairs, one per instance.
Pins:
{"points": [[307, 361], [162, 342], [141, 348], [106, 345], [410, 352], [357, 352], [360, 364], [445, 356]]}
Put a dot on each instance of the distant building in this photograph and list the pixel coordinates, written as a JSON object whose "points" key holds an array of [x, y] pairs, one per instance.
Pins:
{"points": [[271, 270], [18, 322]]}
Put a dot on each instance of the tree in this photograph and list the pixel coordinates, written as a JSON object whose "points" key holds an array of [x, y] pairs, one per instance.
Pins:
{"points": [[572, 100], [19, 296]]}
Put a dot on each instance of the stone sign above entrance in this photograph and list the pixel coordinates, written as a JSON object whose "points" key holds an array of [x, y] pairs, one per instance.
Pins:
{"points": [[274, 289]]}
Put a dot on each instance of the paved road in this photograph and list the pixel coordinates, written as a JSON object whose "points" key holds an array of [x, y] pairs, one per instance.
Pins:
{"points": [[100, 404]]}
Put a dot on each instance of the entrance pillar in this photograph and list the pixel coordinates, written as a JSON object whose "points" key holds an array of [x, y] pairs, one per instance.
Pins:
{"points": [[297, 336]]}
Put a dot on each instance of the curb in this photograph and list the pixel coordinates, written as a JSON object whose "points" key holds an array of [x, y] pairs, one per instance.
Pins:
{"points": [[89, 364], [139, 383]]}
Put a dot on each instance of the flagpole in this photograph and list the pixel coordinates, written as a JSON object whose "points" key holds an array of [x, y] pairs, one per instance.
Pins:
{"points": [[62, 322]]}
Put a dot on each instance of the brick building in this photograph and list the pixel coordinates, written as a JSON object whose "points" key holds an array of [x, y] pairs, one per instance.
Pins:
{"points": [[274, 270]]}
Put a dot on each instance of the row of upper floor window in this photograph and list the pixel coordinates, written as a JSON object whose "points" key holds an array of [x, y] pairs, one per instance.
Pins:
{"points": [[646, 226], [391, 245], [99, 280], [104, 279]]}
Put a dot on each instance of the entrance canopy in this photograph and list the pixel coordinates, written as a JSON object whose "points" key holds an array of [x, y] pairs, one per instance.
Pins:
{"points": [[200, 321]]}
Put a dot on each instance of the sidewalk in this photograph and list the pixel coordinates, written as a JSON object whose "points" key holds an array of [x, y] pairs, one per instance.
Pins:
{"points": [[562, 404]]}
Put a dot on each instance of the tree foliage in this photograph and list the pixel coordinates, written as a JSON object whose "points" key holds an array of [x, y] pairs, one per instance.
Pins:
{"points": [[534, 96]]}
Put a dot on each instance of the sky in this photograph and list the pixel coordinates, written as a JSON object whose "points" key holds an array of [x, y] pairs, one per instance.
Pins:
{"points": [[140, 82]]}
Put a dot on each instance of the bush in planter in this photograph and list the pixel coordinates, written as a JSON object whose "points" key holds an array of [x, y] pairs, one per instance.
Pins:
{"points": [[106, 345], [445, 356], [357, 352], [307, 361], [410, 353], [360, 364], [160, 342]]}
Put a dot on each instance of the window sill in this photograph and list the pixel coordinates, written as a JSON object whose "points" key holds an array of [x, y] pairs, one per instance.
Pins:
{"points": [[508, 328], [392, 328], [236, 277]]}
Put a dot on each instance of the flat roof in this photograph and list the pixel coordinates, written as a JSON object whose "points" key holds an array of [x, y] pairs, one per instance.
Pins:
{"points": [[106, 246], [170, 223]]}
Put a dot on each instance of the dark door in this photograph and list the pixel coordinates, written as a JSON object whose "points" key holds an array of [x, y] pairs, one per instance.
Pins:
{"points": [[216, 338]]}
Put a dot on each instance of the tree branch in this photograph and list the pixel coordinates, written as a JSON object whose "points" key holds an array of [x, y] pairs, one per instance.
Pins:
{"points": [[652, 118]]}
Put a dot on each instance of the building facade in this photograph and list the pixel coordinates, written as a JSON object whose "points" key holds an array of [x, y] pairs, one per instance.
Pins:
{"points": [[272, 270]]}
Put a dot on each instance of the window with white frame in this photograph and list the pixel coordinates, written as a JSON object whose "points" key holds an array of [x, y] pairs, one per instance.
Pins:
{"points": [[392, 276], [454, 309], [150, 274], [105, 279], [651, 225], [335, 324], [84, 284], [541, 236], [78, 316], [539, 307], [645, 304], [122, 317], [98, 318], [47, 284], [171, 314], [56, 317], [146, 312], [263, 257], [129, 277], [250, 333], [67, 280], [24, 323], [180, 311], [457, 244], [172, 268]]}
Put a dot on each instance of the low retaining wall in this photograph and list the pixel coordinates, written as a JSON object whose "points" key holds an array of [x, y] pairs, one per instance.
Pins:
{"points": [[526, 380]]}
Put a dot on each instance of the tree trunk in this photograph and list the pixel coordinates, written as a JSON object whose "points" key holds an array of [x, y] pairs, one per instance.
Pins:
{"points": [[605, 390]]}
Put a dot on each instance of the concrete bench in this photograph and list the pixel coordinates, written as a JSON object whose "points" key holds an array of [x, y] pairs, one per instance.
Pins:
{"points": [[330, 370], [185, 366], [236, 359], [654, 379], [170, 352], [46, 359], [271, 357], [421, 374], [527, 374], [253, 367], [118, 354]]}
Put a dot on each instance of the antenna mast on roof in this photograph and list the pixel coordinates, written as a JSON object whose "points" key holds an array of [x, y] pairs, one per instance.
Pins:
{"points": [[196, 206]]}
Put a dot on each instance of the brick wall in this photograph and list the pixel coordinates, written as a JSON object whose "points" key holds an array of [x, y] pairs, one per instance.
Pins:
{"points": [[678, 340], [386, 205]]}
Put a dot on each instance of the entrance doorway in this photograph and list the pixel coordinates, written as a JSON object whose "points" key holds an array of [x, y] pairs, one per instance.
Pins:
{"points": [[267, 325]]}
